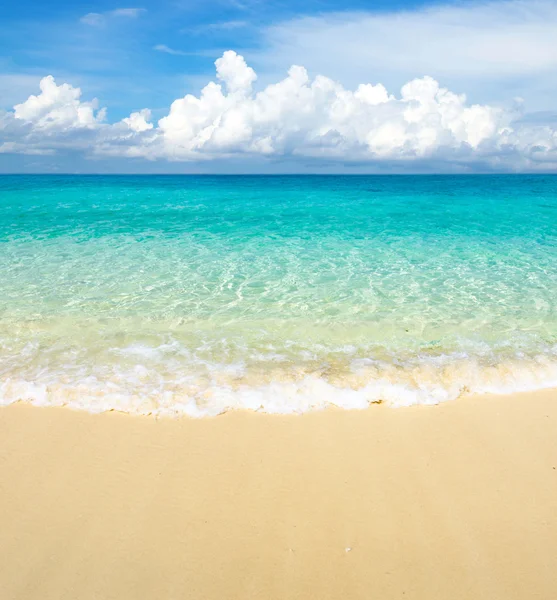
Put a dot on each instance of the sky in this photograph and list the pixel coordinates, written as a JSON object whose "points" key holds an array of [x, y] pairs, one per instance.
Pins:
{"points": [[277, 86]]}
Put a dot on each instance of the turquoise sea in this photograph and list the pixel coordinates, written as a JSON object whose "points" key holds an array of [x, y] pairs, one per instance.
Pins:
{"points": [[197, 295]]}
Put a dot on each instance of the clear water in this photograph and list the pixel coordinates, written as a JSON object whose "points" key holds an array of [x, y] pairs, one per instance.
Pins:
{"points": [[197, 295]]}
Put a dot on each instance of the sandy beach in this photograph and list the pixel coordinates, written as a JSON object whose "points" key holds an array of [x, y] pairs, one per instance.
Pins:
{"points": [[445, 502]]}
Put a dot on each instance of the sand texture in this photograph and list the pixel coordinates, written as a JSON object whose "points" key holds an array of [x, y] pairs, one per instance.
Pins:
{"points": [[457, 501]]}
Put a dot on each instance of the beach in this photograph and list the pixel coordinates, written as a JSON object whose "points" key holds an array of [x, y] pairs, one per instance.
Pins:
{"points": [[451, 501], [278, 387], [280, 326]]}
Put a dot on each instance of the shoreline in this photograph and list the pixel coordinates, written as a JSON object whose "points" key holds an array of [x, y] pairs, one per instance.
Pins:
{"points": [[279, 399], [456, 500]]}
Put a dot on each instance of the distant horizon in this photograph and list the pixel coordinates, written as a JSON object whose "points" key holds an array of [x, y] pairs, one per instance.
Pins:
{"points": [[498, 174]]}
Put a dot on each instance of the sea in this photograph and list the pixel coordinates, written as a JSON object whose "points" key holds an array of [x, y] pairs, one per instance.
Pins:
{"points": [[198, 295]]}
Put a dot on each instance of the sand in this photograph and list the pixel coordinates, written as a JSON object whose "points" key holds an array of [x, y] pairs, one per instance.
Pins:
{"points": [[445, 502]]}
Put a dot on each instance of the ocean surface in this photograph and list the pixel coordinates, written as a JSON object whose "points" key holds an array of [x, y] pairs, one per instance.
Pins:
{"points": [[192, 295]]}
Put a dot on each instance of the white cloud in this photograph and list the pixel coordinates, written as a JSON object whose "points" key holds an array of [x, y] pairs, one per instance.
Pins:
{"points": [[139, 121], [131, 13], [217, 26], [164, 48], [93, 19], [58, 107], [320, 118], [15, 148], [228, 25], [235, 73], [296, 117], [97, 19], [489, 47]]}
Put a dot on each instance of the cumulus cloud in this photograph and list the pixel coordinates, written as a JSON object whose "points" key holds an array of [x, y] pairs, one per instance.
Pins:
{"points": [[299, 116], [235, 73], [139, 121], [59, 107]]}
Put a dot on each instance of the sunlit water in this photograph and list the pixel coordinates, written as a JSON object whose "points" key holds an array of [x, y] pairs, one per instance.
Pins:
{"points": [[197, 295]]}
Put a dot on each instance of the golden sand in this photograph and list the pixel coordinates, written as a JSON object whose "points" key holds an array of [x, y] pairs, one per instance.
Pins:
{"points": [[457, 501]]}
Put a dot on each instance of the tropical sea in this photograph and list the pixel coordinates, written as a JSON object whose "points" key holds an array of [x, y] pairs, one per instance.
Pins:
{"points": [[196, 295]]}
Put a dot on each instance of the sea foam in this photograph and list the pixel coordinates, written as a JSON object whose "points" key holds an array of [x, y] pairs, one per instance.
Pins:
{"points": [[144, 390]]}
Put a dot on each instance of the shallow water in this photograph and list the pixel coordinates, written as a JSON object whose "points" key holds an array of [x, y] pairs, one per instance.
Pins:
{"points": [[196, 295]]}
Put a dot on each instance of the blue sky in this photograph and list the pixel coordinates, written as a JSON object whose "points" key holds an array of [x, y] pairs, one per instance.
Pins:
{"points": [[117, 60], [148, 54]]}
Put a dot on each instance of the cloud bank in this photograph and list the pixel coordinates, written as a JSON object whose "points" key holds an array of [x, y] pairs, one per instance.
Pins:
{"points": [[297, 117]]}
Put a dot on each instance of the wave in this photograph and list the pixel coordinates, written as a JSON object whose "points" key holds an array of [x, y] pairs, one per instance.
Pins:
{"points": [[170, 390]]}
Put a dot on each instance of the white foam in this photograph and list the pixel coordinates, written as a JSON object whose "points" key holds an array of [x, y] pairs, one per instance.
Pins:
{"points": [[140, 390]]}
